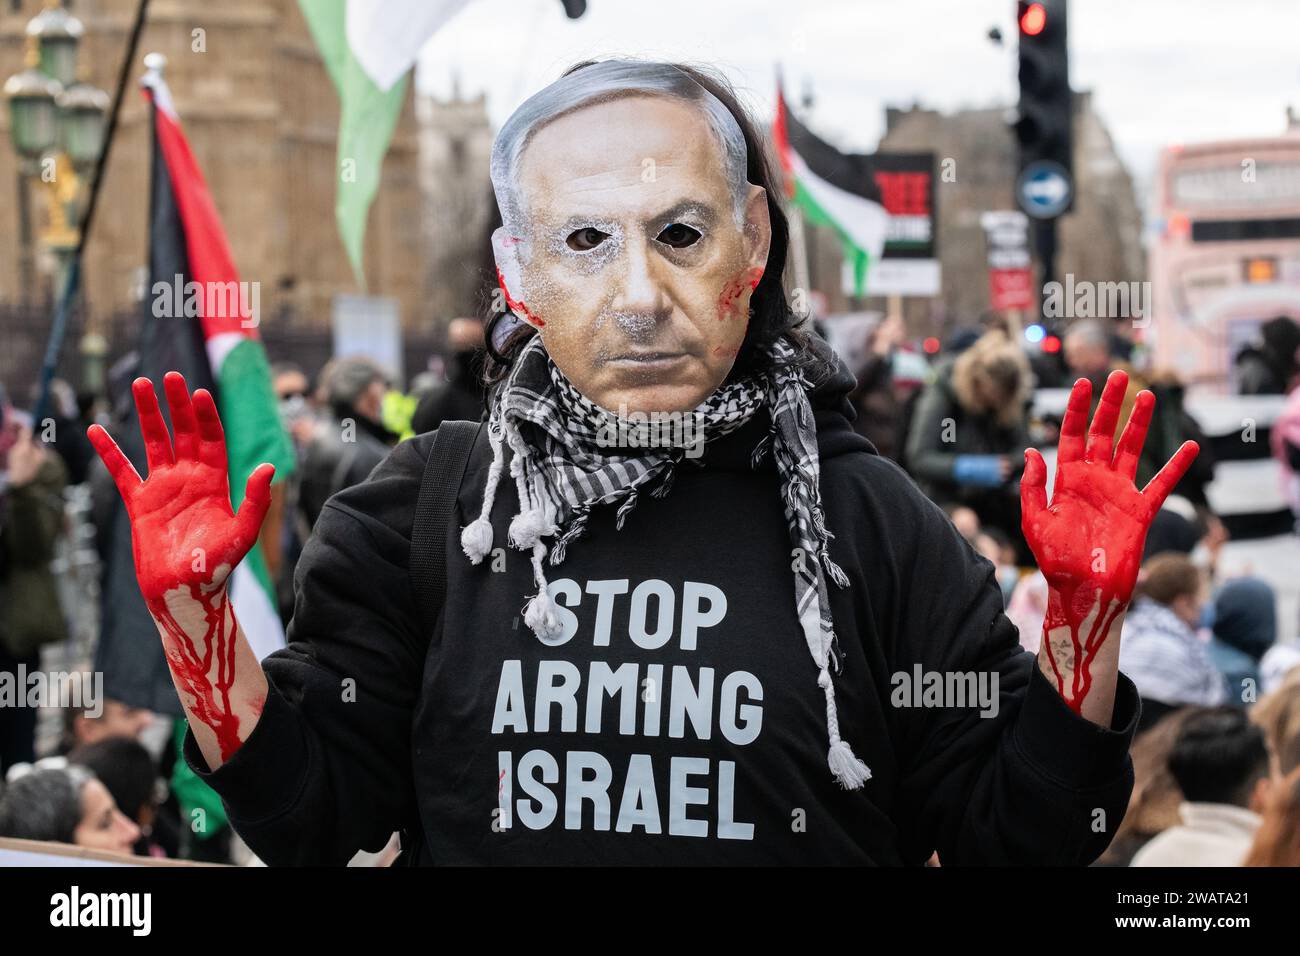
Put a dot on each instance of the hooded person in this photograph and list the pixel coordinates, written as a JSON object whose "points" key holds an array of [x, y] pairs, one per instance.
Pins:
{"points": [[460, 398], [689, 616]]}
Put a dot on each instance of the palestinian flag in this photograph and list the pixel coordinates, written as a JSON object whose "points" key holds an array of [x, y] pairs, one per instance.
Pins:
{"points": [[832, 189], [193, 273], [369, 47]]}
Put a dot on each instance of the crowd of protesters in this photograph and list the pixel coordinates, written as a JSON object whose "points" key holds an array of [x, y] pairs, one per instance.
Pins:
{"points": [[1217, 759]]}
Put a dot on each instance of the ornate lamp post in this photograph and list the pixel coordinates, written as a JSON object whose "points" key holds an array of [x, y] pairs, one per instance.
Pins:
{"points": [[57, 127]]}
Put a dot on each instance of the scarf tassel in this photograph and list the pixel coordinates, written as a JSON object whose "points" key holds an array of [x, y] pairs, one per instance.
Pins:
{"points": [[476, 539], [849, 771], [575, 530], [541, 616]]}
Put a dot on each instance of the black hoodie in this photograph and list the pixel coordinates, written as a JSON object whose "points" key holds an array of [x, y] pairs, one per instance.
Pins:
{"points": [[680, 720]]}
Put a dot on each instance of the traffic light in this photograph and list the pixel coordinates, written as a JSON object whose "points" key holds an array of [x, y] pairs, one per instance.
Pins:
{"points": [[1043, 122]]}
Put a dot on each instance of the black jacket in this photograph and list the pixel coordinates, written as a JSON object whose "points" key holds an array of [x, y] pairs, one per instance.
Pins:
{"points": [[714, 749], [336, 458], [459, 399]]}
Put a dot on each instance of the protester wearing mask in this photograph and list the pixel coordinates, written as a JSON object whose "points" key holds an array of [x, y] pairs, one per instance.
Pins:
{"points": [[462, 396], [744, 594]]}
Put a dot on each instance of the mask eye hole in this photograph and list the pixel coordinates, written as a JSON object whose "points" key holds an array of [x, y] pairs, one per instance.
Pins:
{"points": [[678, 236], [586, 238]]}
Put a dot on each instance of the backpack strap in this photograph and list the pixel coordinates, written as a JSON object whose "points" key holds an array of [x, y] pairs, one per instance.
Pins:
{"points": [[443, 473], [453, 446]]}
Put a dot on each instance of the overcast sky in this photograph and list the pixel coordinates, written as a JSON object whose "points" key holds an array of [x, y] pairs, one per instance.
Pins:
{"points": [[1161, 71]]}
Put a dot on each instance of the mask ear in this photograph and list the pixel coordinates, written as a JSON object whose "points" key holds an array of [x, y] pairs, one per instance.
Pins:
{"points": [[505, 249], [758, 227]]}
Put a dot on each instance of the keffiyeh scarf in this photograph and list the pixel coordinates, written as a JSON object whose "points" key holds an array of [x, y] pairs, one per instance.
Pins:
{"points": [[570, 455]]}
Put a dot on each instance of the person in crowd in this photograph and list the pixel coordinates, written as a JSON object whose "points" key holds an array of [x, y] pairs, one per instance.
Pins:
{"points": [[298, 413], [1284, 442], [1171, 425], [347, 446], [994, 544], [1277, 841], [1087, 350], [875, 400], [82, 727], [1171, 532], [1153, 807], [67, 804], [461, 397], [1269, 366], [1027, 609], [1225, 773], [1277, 665], [1244, 621], [1278, 715], [965, 520], [969, 433], [1160, 650], [31, 517], [128, 771], [293, 392], [65, 432], [404, 699]]}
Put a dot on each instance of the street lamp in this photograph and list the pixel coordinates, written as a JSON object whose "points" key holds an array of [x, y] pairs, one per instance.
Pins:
{"points": [[57, 127], [58, 34], [82, 109], [33, 111]]}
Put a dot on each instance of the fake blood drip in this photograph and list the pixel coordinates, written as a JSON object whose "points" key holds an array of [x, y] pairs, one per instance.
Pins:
{"points": [[1069, 607], [733, 289], [192, 667], [515, 305]]}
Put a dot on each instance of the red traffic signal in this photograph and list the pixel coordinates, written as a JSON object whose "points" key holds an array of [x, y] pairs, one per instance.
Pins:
{"points": [[1033, 18]]}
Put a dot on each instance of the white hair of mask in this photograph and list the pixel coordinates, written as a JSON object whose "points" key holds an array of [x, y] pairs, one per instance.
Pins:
{"points": [[610, 79]]}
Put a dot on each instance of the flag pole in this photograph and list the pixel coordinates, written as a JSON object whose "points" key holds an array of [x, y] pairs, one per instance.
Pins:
{"points": [[72, 279]]}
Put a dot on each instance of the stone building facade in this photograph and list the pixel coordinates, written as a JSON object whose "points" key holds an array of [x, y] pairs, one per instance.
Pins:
{"points": [[455, 147], [261, 114]]}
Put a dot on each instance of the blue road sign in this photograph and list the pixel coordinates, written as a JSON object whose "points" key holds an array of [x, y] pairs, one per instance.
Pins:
{"points": [[1044, 189]]}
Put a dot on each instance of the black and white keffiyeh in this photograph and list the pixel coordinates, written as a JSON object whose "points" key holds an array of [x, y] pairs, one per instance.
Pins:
{"points": [[570, 455]]}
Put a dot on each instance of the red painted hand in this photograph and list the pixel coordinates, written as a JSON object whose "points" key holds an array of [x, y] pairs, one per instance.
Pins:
{"points": [[185, 536], [1089, 540]]}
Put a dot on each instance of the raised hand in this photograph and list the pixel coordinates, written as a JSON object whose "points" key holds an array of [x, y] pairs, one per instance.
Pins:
{"points": [[186, 540], [185, 536], [1089, 540]]}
